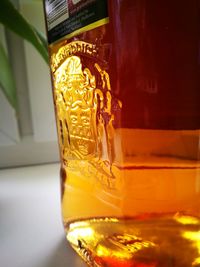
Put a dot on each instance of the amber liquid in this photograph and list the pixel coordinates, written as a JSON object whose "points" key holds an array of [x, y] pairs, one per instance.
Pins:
{"points": [[131, 197], [141, 218]]}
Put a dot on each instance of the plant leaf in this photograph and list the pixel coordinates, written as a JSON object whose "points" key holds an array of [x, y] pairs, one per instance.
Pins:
{"points": [[12, 19], [42, 38], [6, 78]]}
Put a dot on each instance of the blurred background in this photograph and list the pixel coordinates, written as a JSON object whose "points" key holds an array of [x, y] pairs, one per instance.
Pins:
{"points": [[30, 136]]}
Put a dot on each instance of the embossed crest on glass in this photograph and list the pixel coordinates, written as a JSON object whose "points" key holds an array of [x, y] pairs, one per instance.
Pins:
{"points": [[126, 86]]}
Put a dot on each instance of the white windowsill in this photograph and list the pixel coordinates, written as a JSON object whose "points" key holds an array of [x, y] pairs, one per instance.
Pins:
{"points": [[31, 231]]}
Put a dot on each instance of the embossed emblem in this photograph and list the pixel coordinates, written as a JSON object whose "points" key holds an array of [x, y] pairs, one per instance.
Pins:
{"points": [[84, 111]]}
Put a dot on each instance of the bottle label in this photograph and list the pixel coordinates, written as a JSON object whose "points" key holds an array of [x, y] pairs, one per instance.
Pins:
{"points": [[67, 18]]}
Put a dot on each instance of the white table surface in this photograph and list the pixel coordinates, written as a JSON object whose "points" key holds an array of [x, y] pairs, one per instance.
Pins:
{"points": [[31, 231]]}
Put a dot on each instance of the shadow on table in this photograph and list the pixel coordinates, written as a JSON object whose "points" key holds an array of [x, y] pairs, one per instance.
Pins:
{"points": [[64, 256]]}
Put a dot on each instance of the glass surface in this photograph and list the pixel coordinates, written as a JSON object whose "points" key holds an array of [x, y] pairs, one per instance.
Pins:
{"points": [[127, 108]]}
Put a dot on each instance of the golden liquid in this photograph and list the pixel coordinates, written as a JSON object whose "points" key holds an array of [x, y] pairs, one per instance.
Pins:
{"points": [[142, 179], [142, 215], [150, 242]]}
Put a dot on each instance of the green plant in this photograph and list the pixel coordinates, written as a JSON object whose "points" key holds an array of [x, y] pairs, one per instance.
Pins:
{"points": [[14, 21]]}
